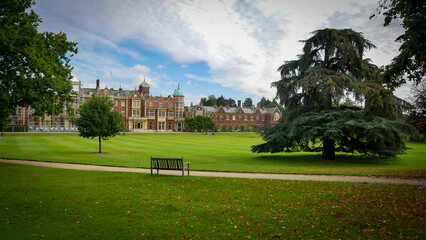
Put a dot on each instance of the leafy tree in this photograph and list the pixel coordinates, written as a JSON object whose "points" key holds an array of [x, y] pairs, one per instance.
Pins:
{"points": [[99, 119], [411, 60], [232, 102], [207, 101], [247, 103], [34, 66], [200, 123], [417, 116], [311, 87]]}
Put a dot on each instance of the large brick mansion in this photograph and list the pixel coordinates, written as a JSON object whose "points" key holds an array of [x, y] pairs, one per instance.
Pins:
{"points": [[143, 112]]}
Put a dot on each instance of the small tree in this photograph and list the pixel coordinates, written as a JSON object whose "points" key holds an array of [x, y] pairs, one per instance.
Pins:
{"points": [[99, 119]]}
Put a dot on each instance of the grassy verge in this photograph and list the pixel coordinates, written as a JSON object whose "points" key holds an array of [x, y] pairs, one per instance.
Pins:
{"points": [[220, 152], [66, 204]]}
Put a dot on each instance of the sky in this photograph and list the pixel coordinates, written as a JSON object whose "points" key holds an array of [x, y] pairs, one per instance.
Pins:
{"points": [[229, 48]]}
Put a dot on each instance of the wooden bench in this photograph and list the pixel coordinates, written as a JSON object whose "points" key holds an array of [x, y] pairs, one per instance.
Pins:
{"points": [[169, 164]]}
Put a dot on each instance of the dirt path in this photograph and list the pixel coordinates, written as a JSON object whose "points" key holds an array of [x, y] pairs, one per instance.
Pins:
{"points": [[297, 177]]}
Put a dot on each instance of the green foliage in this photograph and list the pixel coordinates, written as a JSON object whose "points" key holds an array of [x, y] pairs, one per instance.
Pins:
{"points": [[34, 67], [200, 123], [220, 101], [311, 87], [99, 119], [351, 130], [248, 102], [411, 60]]}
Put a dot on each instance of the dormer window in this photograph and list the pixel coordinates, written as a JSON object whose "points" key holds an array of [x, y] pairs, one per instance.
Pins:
{"points": [[150, 104]]}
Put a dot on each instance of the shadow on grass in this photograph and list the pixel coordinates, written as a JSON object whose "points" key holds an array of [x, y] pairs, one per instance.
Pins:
{"points": [[315, 158]]}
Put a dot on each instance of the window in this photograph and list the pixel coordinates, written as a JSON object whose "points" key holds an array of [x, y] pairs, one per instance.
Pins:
{"points": [[245, 118], [177, 105], [251, 118], [240, 118], [170, 114], [150, 104], [170, 125], [116, 103], [150, 125], [151, 113], [263, 118], [170, 104], [227, 117], [135, 113], [161, 125], [136, 103], [257, 119], [233, 117], [276, 116], [123, 112], [161, 104], [221, 118], [162, 113], [123, 103]]}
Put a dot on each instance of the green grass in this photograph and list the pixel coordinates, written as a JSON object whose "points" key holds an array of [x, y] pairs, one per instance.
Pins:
{"points": [[220, 152], [66, 204]]}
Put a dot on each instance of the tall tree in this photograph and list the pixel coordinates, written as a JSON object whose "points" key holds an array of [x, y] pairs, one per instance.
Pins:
{"points": [[411, 60], [248, 103], [311, 87], [99, 119], [34, 66]]}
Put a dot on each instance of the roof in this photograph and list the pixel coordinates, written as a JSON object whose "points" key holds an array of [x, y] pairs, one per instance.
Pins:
{"points": [[144, 84], [178, 92]]}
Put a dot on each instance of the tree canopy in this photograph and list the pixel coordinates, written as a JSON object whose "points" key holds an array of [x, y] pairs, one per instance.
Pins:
{"points": [[34, 66], [411, 61], [330, 68], [99, 119], [220, 101], [200, 123]]}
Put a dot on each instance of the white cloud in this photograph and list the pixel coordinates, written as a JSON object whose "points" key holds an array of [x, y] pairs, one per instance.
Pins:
{"points": [[188, 82], [159, 66], [242, 42]]}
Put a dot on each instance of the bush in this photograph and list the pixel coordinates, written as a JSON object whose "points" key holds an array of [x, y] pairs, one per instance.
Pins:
{"points": [[416, 138]]}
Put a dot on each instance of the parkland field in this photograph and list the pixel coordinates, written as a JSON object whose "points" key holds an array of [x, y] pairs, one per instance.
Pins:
{"points": [[44, 203], [219, 152]]}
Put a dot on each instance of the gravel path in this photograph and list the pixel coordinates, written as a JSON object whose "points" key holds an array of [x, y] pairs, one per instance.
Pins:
{"points": [[297, 177]]}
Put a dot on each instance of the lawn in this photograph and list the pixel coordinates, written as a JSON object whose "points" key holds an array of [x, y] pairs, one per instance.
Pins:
{"points": [[220, 152], [66, 204]]}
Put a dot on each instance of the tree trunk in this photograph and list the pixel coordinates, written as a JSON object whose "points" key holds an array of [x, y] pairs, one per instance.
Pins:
{"points": [[328, 149], [100, 149]]}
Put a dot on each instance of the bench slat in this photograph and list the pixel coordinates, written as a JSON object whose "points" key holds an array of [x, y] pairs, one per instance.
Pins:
{"points": [[169, 164]]}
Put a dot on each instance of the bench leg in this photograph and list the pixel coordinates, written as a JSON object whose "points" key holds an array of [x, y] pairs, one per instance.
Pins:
{"points": [[183, 172], [188, 170], [151, 171], [158, 171]]}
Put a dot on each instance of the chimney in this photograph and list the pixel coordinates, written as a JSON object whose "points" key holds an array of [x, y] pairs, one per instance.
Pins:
{"points": [[239, 103], [214, 102], [140, 88], [250, 103], [192, 104], [120, 88], [262, 104], [97, 84], [227, 103]]}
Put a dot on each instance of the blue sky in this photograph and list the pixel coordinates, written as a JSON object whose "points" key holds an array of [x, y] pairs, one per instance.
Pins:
{"points": [[229, 48]]}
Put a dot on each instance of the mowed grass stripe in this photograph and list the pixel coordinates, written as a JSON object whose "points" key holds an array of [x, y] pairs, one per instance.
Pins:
{"points": [[219, 152]]}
